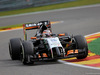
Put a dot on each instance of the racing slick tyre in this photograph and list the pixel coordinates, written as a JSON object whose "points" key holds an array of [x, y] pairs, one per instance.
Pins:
{"points": [[27, 53], [15, 48], [81, 44]]}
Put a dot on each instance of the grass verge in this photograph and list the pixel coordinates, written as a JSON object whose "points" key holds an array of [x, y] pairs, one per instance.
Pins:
{"points": [[51, 7], [94, 46], [10, 26]]}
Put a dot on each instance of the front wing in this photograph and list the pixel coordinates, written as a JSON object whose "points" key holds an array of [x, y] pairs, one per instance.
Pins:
{"points": [[69, 54]]}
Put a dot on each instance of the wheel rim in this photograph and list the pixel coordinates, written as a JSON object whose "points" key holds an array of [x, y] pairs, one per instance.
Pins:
{"points": [[10, 50], [22, 54]]}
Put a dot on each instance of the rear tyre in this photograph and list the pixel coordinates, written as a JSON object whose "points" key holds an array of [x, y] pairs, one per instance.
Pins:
{"points": [[15, 48], [81, 44], [27, 53]]}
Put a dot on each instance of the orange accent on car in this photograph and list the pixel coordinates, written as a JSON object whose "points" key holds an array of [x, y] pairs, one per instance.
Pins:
{"points": [[31, 27], [45, 55], [44, 32], [76, 51], [61, 34], [39, 56], [33, 37], [70, 52]]}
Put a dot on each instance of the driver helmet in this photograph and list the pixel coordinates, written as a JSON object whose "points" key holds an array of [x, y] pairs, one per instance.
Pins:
{"points": [[47, 33]]}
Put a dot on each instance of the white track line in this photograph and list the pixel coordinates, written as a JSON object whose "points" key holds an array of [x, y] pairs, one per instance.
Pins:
{"points": [[62, 9], [78, 65], [91, 34]]}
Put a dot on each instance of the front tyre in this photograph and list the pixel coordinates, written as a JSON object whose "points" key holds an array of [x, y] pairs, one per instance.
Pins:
{"points": [[81, 43], [27, 53], [15, 48]]}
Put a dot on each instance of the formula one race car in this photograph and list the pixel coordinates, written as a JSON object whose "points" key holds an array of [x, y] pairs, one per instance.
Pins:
{"points": [[46, 46]]}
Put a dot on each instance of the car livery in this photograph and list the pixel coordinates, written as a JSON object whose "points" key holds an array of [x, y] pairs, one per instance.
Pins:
{"points": [[45, 45]]}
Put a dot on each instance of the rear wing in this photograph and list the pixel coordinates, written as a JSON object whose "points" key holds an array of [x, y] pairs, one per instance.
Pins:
{"points": [[30, 26]]}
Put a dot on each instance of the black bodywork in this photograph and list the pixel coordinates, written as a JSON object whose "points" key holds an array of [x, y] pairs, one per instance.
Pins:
{"points": [[38, 48]]}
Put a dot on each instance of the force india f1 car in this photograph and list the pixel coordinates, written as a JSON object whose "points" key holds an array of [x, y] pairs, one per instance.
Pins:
{"points": [[46, 46]]}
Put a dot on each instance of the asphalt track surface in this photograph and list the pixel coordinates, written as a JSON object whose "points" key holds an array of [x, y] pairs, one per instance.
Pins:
{"points": [[74, 21]]}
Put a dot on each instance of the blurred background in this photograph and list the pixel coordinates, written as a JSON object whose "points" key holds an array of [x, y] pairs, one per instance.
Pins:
{"points": [[19, 4]]}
